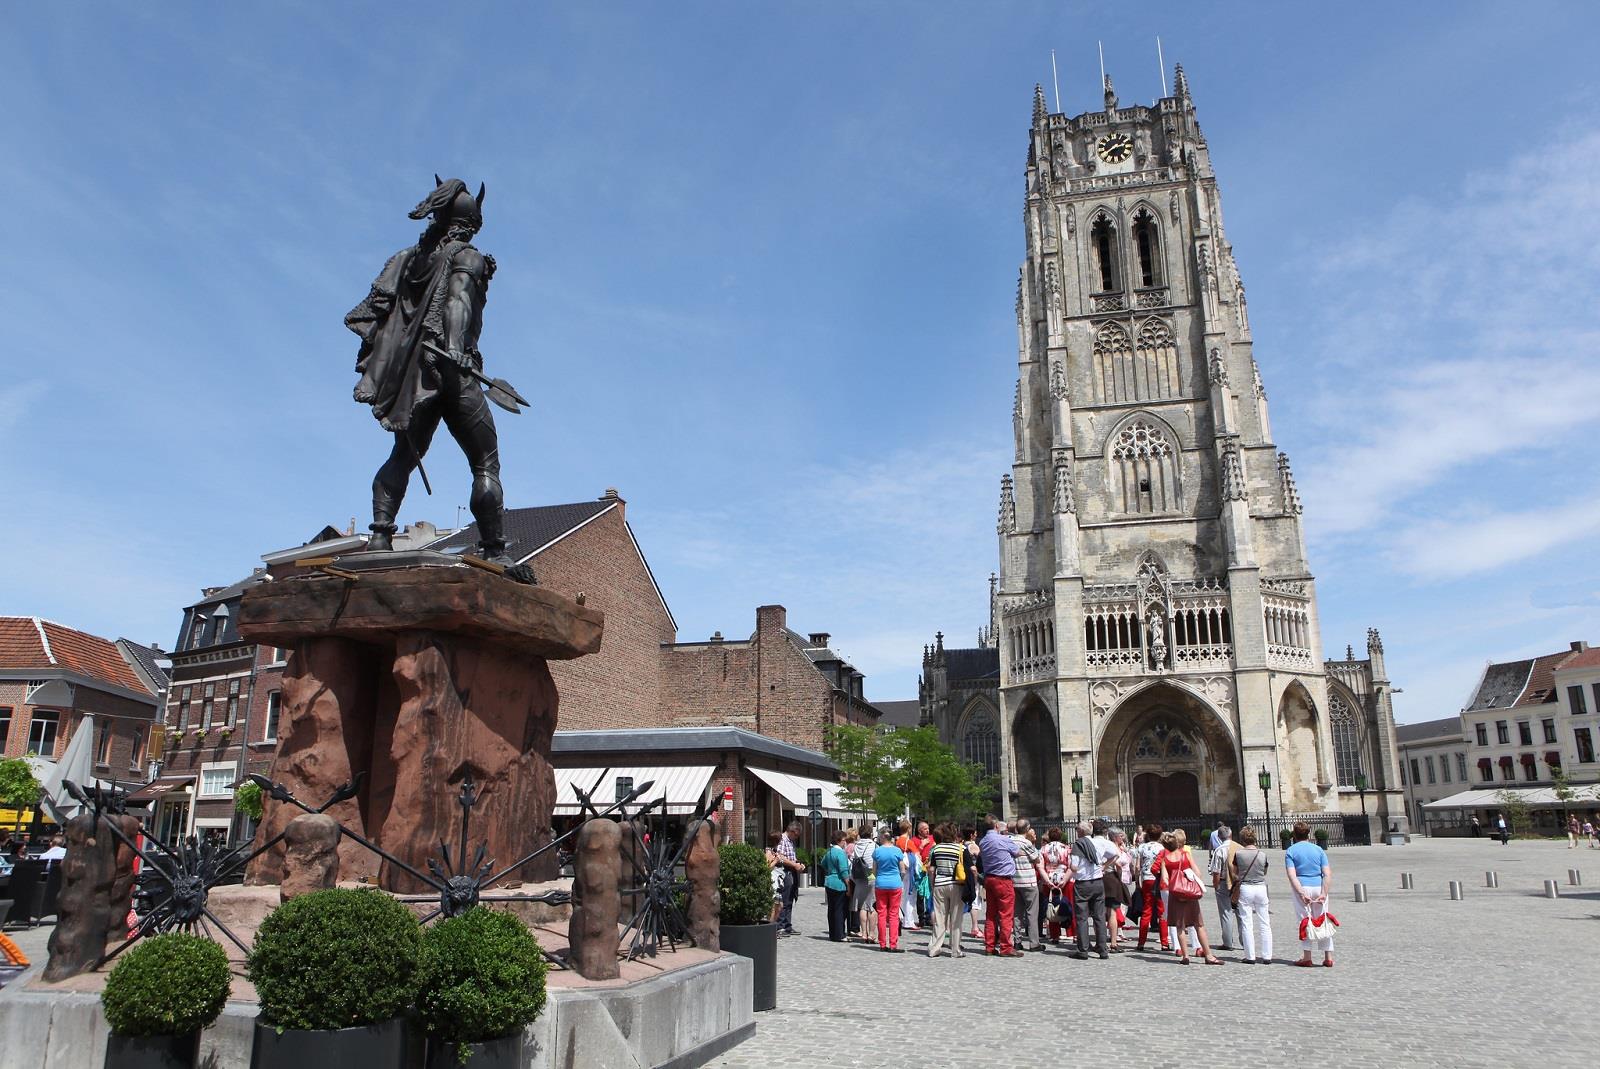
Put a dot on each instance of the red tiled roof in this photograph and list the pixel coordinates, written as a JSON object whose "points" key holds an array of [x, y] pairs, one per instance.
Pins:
{"points": [[29, 642], [1541, 687], [1589, 658]]}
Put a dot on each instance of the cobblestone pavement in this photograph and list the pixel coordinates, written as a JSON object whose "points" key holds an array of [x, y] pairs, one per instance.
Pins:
{"points": [[1503, 978]]}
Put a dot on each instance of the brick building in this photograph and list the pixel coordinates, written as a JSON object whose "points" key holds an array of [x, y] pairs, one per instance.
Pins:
{"points": [[52, 676], [776, 684]]}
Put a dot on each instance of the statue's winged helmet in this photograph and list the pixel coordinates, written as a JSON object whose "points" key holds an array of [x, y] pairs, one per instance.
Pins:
{"points": [[450, 202]]}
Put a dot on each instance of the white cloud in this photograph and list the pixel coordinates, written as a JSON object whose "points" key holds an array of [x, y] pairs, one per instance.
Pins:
{"points": [[1461, 336], [1447, 548]]}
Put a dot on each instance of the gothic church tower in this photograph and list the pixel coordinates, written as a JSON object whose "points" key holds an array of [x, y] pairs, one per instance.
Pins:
{"points": [[1156, 615]]}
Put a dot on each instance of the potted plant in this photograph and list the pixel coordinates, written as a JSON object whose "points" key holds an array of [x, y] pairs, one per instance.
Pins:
{"points": [[159, 997], [1322, 837], [1286, 837], [745, 883], [480, 981], [334, 970]]}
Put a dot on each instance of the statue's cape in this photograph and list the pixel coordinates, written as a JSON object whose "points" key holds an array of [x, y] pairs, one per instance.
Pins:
{"points": [[399, 312]]}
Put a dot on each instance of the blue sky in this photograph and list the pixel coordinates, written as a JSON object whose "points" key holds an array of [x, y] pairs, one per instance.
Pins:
{"points": [[756, 271]]}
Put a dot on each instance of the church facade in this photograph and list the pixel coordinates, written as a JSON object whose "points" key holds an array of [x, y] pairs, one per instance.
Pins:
{"points": [[1154, 625]]}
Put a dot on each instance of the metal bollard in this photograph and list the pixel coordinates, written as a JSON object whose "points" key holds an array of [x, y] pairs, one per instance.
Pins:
{"points": [[1406, 881], [1574, 878], [1551, 889], [1491, 879], [1361, 892], [1455, 890]]}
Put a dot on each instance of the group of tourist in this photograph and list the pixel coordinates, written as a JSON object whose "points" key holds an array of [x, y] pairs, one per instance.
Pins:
{"points": [[1088, 888]]}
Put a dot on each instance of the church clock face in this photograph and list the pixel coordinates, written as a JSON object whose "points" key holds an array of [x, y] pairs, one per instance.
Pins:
{"points": [[1114, 148]]}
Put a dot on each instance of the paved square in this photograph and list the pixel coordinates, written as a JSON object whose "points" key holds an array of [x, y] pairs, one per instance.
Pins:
{"points": [[1503, 978]]}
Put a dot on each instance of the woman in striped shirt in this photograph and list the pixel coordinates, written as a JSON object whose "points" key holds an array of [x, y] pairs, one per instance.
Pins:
{"points": [[947, 866]]}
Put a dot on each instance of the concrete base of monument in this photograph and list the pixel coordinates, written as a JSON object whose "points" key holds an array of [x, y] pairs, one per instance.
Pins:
{"points": [[673, 1011]]}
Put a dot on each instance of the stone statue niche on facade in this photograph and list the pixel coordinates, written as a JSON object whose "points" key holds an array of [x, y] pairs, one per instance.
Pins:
{"points": [[419, 364]]}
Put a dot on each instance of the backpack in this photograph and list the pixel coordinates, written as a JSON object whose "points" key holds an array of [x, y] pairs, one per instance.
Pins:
{"points": [[858, 868]]}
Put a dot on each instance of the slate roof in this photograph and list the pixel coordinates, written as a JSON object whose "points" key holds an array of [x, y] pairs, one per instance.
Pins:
{"points": [[1429, 730], [980, 663], [531, 529], [231, 591], [29, 642], [900, 714], [1500, 686], [149, 660]]}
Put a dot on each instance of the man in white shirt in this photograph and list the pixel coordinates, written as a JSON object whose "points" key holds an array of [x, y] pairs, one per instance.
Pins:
{"points": [[1090, 851], [57, 851]]}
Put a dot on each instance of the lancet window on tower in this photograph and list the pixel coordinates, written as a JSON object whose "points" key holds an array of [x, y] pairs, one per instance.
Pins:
{"points": [[1103, 240], [980, 742], [1143, 467], [1148, 372], [1147, 246]]}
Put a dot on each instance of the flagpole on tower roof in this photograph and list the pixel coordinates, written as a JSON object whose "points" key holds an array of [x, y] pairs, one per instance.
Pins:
{"points": [[1161, 61], [1101, 45], [1055, 79]]}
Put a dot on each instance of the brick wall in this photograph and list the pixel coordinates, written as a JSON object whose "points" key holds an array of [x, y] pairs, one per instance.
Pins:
{"points": [[766, 685], [621, 685], [129, 718]]}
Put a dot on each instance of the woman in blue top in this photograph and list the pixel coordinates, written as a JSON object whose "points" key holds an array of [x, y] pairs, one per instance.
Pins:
{"points": [[1307, 866], [889, 868], [836, 882]]}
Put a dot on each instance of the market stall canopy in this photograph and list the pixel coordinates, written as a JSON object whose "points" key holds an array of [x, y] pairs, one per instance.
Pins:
{"points": [[1536, 797], [159, 788], [683, 786]]}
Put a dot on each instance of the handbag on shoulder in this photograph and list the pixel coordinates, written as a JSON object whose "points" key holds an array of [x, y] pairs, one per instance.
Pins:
{"points": [[1187, 885]]}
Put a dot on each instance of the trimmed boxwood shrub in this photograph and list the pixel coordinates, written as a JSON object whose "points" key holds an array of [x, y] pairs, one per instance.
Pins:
{"points": [[1321, 835], [337, 958], [480, 976], [167, 985], [1286, 837], [745, 883]]}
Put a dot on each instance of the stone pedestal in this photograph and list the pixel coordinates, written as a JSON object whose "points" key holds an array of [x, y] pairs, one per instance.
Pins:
{"points": [[418, 676], [96, 893], [703, 868], [592, 934]]}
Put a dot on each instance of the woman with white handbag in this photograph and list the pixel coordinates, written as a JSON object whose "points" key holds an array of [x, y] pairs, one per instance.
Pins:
{"points": [[1306, 864]]}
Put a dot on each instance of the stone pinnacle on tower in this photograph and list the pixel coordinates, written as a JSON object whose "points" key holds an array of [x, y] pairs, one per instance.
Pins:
{"points": [[1039, 109], [1180, 83], [1291, 495], [1007, 523], [1111, 97]]}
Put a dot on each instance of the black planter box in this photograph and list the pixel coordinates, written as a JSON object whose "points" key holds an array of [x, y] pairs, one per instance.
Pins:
{"points": [[759, 943], [383, 1044], [502, 1053], [152, 1052]]}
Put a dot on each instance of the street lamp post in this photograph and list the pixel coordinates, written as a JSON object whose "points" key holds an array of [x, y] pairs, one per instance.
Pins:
{"points": [[1077, 794], [1265, 779], [1361, 789]]}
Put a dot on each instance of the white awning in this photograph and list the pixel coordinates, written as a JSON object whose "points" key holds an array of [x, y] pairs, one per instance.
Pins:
{"points": [[683, 786], [1490, 799], [793, 790]]}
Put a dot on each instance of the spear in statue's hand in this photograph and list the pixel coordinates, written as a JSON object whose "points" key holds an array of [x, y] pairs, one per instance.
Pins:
{"points": [[501, 392]]}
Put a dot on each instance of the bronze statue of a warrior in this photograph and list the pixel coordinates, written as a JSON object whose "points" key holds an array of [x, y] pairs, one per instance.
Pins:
{"points": [[419, 362]]}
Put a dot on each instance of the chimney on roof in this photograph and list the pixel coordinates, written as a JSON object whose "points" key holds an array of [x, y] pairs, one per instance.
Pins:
{"points": [[819, 638], [1579, 646], [610, 494], [716, 636]]}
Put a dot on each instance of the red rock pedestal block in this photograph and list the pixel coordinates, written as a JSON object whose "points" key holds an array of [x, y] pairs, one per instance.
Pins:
{"points": [[592, 933], [419, 676], [96, 891], [703, 867]]}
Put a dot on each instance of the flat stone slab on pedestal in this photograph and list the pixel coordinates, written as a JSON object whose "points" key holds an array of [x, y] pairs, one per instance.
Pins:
{"points": [[446, 596]]}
